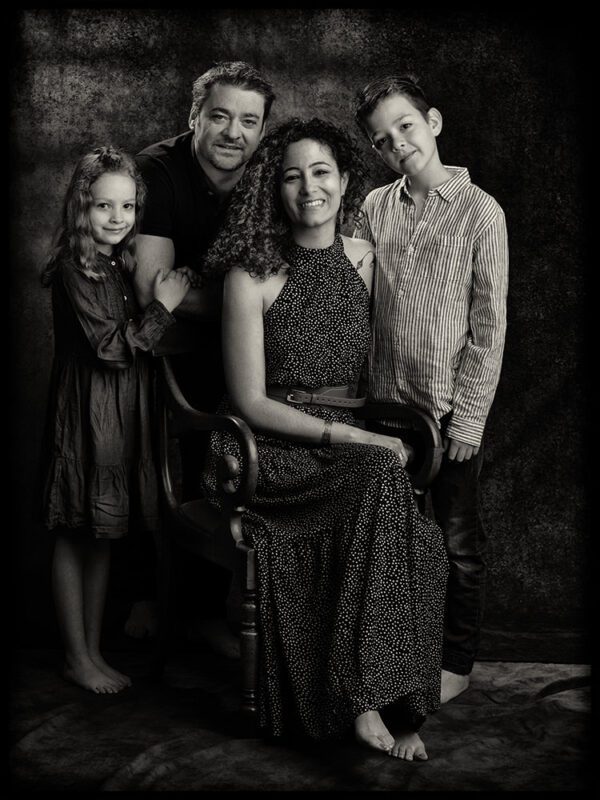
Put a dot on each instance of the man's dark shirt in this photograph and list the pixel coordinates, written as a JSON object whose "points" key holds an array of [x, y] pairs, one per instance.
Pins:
{"points": [[181, 204]]}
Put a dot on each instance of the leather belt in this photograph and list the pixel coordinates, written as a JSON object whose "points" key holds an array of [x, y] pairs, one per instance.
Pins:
{"points": [[338, 396]]}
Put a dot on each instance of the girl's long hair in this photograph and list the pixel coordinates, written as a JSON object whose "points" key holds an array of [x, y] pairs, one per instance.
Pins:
{"points": [[257, 230], [74, 234]]}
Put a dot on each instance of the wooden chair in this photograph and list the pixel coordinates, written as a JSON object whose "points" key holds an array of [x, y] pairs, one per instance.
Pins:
{"points": [[198, 527]]}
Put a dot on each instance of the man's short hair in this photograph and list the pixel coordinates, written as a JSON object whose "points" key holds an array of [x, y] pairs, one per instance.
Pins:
{"points": [[231, 73]]}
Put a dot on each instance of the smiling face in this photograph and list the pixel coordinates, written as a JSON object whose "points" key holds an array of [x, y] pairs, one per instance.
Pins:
{"points": [[311, 187], [404, 137], [228, 127], [112, 214]]}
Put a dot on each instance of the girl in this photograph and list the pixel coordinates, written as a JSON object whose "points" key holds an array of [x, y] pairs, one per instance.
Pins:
{"points": [[100, 475]]}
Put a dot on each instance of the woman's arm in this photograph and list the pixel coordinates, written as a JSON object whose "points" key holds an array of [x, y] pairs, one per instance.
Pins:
{"points": [[244, 362]]}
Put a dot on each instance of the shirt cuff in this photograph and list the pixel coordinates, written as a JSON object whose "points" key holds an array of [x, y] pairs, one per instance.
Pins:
{"points": [[465, 430], [158, 319]]}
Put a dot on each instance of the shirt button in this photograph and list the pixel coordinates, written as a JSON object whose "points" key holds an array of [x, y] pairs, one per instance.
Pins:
{"points": [[124, 297], [114, 263], [410, 249]]}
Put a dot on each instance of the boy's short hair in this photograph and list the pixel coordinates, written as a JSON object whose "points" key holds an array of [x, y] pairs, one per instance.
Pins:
{"points": [[231, 73], [373, 93]]}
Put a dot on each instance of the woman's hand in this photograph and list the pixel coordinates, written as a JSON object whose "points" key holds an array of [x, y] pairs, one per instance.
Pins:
{"points": [[404, 451], [170, 289]]}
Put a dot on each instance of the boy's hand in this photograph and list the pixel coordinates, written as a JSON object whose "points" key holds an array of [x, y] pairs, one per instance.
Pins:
{"points": [[459, 451]]}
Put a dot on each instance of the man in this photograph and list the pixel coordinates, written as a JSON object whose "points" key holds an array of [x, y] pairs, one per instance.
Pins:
{"points": [[189, 179]]}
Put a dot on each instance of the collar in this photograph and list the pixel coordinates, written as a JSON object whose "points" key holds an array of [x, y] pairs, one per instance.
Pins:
{"points": [[448, 190], [103, 257]]}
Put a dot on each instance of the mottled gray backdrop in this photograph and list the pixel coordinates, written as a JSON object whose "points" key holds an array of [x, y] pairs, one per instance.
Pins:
{"points": [[508, 90]]}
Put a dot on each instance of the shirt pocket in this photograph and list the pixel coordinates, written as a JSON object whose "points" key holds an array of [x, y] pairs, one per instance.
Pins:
{"points": [[450, 260]]}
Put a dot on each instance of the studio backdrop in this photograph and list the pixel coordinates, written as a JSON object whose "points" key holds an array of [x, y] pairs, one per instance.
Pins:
{"points": [[507, 90]]}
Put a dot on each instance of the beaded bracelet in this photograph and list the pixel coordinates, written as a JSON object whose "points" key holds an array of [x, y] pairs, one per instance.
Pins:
{"points": [[326, 437]]}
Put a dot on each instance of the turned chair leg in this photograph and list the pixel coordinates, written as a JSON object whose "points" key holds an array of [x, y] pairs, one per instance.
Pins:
{"points": [[249, 635]]}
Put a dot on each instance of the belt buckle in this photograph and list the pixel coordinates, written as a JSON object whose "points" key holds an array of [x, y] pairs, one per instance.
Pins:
{"points": [[291, 399]]}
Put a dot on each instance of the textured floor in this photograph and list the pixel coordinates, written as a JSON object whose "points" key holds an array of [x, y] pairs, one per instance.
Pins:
{"points": [[520, 726]]}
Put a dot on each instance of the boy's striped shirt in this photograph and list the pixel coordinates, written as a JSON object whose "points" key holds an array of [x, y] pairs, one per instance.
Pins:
{"points": [[439, 300]]}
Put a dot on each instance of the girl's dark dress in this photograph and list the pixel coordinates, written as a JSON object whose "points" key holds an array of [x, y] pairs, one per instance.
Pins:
{"points": [[100, 474], [351, 577]]}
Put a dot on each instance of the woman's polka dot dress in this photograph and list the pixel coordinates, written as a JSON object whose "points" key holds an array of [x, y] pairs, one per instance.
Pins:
{"points": [[351, 577]]}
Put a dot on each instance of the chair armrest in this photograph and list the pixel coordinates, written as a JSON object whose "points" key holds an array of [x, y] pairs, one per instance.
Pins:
{"points": [[427, 466], [183, 417]]}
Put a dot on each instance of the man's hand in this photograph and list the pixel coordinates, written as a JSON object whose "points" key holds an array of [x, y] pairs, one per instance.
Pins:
{"points": [[459, 451], [192, 276]]}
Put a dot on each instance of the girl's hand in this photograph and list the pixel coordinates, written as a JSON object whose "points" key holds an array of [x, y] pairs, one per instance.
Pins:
{"points": [[170, 289]]}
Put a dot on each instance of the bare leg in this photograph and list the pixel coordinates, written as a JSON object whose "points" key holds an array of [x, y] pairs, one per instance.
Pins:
{"points": [[67, 589], [409, 745], [142, 620], [95, 581], [452, 685], [370, 730]]}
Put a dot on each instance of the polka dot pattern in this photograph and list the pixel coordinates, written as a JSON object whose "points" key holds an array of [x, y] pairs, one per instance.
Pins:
{"points": [[351, 577]]}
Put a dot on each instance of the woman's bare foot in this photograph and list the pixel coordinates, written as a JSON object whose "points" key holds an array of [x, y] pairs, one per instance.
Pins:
{"points": [[453, 685], [119, 678], [370, 730], [86, 674], [409, 745], [142, 620]]}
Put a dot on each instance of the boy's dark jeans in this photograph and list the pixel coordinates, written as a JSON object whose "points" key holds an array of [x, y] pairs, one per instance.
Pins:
{"points": [[456, 505]]}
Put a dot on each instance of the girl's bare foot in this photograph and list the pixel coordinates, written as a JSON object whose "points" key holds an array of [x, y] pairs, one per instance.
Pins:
{"points": [[142, 620], [371, 731], [409, 745], [119, 678], [86, 674], [452, 685]]}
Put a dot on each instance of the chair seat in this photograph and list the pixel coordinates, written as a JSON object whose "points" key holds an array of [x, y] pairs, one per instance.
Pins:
{"points": [[202, 530]]}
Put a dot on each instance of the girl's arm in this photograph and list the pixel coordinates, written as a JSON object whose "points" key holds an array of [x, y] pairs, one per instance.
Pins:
{"points": [[113, 341], [244, 362]]}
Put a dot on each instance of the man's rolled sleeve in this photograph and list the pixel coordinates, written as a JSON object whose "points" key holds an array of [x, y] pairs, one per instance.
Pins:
{"points": [[158, 218]]}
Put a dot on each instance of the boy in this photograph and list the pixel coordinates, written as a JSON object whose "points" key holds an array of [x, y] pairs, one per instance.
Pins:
{"points": [[439, 319]]}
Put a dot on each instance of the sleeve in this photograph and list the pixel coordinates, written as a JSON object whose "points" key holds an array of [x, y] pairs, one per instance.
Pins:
{"points": [[479, 369], [158, 218], [114, 341], [362, 228]]}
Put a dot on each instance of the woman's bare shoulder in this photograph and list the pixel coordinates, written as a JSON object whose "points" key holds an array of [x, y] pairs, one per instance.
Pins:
{"points": [[359, 251]]}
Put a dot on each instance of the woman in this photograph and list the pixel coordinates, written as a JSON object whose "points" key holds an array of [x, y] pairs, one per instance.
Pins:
{"points": [[351, 578]]}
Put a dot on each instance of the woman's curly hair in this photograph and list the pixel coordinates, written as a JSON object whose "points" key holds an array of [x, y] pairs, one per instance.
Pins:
{"points": [[257, 231], [74, 234]]}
